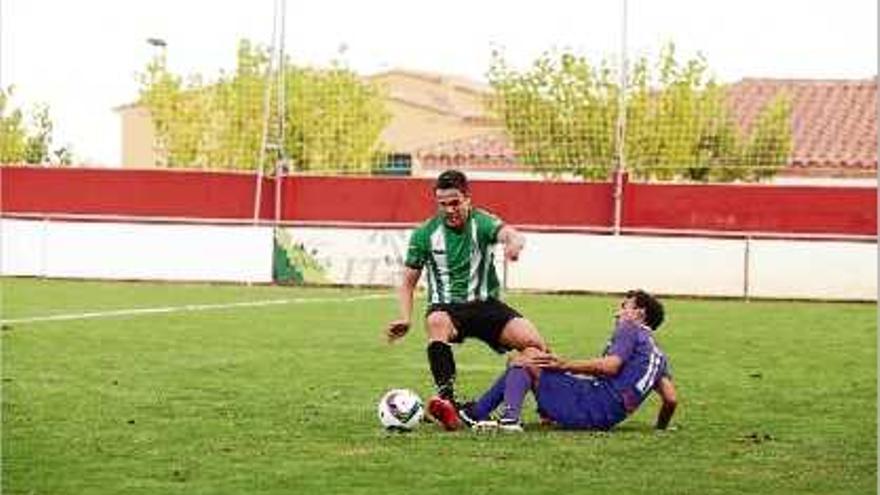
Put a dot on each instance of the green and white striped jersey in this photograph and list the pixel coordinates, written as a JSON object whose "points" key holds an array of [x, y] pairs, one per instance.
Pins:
{"points": [[460, 263]]}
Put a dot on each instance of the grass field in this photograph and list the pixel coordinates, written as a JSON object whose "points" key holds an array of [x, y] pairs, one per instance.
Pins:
{"points": [[775, 398]]}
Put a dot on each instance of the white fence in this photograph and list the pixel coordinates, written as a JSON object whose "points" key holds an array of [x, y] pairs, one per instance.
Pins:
{"points": [[128, 251], [552, 261]]}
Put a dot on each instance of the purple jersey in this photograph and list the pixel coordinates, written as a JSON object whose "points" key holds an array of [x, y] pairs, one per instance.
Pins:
{"points": [[643, 363]]}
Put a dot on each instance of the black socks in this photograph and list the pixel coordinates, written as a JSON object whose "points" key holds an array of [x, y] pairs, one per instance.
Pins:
{"points": [[443, 368]]}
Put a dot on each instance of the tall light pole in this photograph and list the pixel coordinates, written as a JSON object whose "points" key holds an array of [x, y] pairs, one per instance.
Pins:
{"points": [[281, 164], [160, 153], [264, 142], [160, 46], [620, 134]]}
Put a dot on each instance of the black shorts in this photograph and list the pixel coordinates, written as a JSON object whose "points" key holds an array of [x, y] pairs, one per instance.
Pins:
{"points": [[484, 320]]}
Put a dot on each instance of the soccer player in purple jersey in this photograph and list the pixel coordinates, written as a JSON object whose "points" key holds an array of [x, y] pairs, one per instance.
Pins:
{"points": [[593, 394]]}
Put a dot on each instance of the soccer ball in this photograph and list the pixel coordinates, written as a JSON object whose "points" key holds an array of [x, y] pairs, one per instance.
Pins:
{"points": [[400, 409]]}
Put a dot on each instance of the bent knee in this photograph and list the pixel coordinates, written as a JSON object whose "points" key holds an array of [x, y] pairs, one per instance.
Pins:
{"points": [[440, 326], [520, 334], [531, 351], [538, 343]]}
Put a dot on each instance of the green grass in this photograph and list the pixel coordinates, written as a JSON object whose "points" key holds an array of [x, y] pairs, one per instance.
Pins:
{"points": [[776, 397]]}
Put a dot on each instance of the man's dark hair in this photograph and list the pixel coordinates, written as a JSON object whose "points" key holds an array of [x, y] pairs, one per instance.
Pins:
{"points": [[452, 179], [654, 312]]}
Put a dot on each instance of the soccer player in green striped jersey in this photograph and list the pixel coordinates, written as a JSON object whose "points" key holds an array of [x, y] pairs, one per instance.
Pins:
{"points": [[456, 248]]}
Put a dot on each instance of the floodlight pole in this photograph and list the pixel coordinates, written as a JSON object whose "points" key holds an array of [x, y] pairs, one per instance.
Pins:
{"points": [[281, 165], [161, 47], [258, 194], [620, 135], [161, 56]]}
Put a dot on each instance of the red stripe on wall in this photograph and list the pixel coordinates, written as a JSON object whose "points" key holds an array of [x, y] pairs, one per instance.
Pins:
{"points": [[548, 203], [412, 200], [357, 199], [159, 193], [219, 195], [752, 208]]}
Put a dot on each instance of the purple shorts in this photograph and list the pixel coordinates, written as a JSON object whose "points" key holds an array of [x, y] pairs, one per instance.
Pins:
{"points": [[578, 403]]}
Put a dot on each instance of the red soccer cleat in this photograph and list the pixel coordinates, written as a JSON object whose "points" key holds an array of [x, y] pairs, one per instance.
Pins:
{"points": [[443, 411]]}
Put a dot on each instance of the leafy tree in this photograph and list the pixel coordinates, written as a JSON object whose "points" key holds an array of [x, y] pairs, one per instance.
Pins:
{"points": [[63, 155], [332, 119], [562, 115], [13, 139], [37, 143], [769, 145], [20, 143]]}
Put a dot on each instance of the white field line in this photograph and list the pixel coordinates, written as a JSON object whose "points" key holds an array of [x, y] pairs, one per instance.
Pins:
{"points": [[192, 307]]}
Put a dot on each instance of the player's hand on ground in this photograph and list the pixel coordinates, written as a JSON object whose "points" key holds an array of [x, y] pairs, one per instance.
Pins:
{"points": [[396, 329]]}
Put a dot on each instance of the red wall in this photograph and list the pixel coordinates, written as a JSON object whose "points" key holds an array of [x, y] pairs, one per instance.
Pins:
{"points": [[411, 200], [130, 192], [752, 208], [216, 195]]}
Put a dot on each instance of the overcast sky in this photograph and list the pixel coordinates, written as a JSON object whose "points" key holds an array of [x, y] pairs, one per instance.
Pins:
{"points": [[80, 56]]}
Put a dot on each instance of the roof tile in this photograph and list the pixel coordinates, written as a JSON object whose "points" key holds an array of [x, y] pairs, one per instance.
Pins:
{"points": [[834, 128]]}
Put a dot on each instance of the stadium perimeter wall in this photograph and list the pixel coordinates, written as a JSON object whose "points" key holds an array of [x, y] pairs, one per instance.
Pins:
{"points": [[361, 256], [761, 241], [136, 251], [557, 206]]}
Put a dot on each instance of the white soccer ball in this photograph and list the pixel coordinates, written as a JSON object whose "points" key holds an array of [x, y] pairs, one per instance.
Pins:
{"points": [[400, 409]]}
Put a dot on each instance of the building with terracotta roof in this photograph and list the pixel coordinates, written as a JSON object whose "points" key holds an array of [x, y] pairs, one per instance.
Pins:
{"points": [[429, 109], [834, 130], [834, 122], [441, 121], [425, 108]]}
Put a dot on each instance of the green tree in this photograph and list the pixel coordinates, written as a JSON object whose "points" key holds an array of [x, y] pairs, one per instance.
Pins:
{"points": [[177, 116], [21, 143], [13, 138], [769, 145], [37, 143], [332, 118], [561, 115]]}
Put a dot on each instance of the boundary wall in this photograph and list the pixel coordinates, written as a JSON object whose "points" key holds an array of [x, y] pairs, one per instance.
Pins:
{"points": [[579, 206], [135, 251], [702, 240]]}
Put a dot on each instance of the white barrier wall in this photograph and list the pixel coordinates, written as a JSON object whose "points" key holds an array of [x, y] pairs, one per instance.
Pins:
{"points": [[136, 251], [664, 265], [698, 266], [602, 263], [23, 247], [353, 256], [823, 270], [551, 261]]}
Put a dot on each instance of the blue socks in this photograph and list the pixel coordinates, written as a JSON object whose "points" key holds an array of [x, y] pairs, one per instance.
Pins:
{"points": [[511, 388], [490, 400], [516, 386]]}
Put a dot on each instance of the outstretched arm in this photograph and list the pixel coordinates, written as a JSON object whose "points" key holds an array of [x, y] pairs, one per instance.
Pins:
{"points": [[666, 389], [398, 328], [513, 242], [601, 366]]}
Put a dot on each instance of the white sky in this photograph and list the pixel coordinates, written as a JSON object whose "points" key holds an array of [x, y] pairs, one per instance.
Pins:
{"points": [[81, 56]]}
